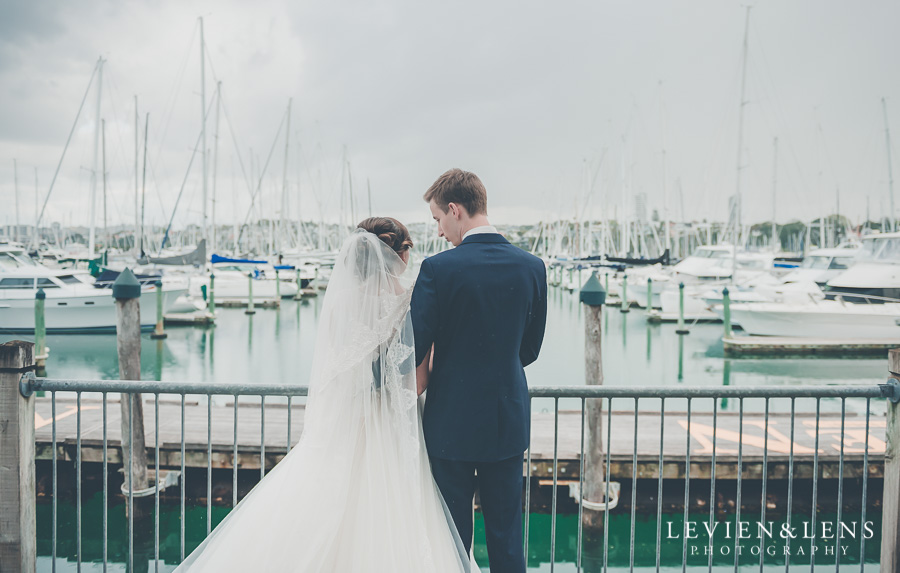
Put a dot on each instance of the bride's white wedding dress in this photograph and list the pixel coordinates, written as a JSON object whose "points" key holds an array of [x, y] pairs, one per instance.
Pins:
{"points": [[356, 492]]}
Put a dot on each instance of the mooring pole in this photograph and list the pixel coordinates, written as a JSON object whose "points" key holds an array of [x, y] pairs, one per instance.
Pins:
{"points": [[18, 514], [649, 294], [211, 304], [726, 308], [624, 306], [41, 352], [593, 297], [681, 329], [127, 292], [250, 294], [159, 332]]}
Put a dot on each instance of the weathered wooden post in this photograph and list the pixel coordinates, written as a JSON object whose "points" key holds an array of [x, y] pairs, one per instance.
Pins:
{"points": [[680, 329], [41, 352], [624, 306], [890, 515], [211, 303], [726, 311], [127, 292], [159, 332], [18, 533], [250, 295], [593, 473]]}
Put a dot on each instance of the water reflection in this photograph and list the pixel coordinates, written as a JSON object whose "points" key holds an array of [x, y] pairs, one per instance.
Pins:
{"points": [[565, 554], [259, 347]]}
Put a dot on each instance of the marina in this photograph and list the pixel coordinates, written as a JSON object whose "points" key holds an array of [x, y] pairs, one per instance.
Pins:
{"points": [[718, 232]]}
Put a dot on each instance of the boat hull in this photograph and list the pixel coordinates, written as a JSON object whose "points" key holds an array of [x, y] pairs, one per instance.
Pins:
{"points": [[828, 319]]}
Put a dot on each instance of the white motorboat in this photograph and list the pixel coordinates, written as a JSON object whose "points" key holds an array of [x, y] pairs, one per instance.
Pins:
{"points": [[232, 282], [822, 265], [828, 319], [73, 303], [875, 277]]}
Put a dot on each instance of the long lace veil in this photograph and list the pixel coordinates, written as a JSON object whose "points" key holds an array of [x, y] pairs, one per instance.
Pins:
{"points": [[360, 471]]}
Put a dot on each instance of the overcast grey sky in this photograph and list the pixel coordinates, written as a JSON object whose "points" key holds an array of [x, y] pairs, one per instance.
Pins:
{"points": [[525, 93]]}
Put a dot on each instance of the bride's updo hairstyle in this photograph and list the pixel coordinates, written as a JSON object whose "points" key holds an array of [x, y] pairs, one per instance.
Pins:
{"points": [[392, 232]]}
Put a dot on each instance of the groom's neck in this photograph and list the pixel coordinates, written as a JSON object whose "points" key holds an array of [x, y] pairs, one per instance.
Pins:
{"points": [[476, 221]]}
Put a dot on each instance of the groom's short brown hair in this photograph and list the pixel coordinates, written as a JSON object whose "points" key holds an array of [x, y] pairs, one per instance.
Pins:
{"points": [[461, 187]]}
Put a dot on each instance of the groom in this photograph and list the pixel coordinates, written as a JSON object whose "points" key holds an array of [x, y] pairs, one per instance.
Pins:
{"points": [[483, 305]]}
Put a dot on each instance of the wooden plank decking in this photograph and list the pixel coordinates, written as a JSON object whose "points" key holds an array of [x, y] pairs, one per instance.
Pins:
{"points": [[568, 439]]}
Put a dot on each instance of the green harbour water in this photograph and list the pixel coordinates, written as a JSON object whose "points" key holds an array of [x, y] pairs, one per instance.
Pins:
{"points": [[619, 558]]}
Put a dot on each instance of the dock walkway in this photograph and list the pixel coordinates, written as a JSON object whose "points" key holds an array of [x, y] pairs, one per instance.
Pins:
{"points": [[777, 444]]}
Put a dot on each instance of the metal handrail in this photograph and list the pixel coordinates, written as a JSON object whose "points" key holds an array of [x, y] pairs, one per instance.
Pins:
{"points": [[888, 389]]}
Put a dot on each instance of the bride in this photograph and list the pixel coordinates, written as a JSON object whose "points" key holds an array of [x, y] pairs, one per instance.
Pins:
{"points": [[356, 492]]}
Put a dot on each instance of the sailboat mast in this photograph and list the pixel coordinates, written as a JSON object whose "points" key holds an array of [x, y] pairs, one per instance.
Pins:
{"points": [[144, 185], [35, 241], [287, 137], [138, 232], [737, 194], [92, 235], [16, 185], [203, 125], [666, 218], [103, 145], [774, 195], [887, 137], [214, 241]]}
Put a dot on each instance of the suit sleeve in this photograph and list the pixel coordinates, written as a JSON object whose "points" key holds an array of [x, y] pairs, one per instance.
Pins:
{"points": [[424, 310], [537, 322]]}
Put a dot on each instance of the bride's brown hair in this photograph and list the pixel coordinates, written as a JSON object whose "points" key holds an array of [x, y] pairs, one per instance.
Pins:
{"points": [[392, 232]]}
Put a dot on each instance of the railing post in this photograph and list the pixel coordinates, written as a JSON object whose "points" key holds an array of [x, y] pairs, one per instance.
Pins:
{"points": [[593, 296], [127, 292], [18, 533], [159, 333], [890, 516]]}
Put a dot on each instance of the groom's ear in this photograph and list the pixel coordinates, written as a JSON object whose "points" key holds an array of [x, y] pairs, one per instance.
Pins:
{"points": [[454, 209]]}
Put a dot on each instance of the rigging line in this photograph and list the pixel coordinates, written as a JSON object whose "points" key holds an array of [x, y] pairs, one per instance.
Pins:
{"points": [[113, 88], [263, 173], [781, 113], [183, 182], [590, 192], [169, 110], [237, 148], [68, 140]]}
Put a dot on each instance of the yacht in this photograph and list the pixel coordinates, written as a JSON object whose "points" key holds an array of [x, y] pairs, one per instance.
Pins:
{"points": [[74, 304], [875, 278]]}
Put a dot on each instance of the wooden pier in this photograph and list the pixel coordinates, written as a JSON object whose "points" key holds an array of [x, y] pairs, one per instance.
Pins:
{"points": [[756, 436]]}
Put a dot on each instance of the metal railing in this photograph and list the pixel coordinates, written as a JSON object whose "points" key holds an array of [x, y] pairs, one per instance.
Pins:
{"points": [[586, 394]]}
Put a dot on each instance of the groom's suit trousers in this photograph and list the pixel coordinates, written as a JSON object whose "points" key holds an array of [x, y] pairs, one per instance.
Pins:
{"points": [[500, 485]]}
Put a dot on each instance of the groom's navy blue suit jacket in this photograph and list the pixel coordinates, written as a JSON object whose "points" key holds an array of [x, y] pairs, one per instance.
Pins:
{"points": [[483, 305]]}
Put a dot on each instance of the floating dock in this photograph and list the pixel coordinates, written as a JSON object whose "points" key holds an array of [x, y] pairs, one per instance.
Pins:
{"points": [[776, 345], [656, 317], [199, 317]]}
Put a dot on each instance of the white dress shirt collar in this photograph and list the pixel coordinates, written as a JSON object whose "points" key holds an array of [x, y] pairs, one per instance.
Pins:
{"points": [[480, 230]]}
